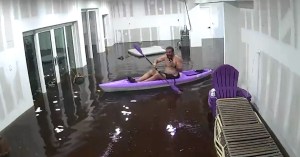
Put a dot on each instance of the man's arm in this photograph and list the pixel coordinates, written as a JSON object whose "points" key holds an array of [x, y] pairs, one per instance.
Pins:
{"points": [[179, 64], [159, 59]]}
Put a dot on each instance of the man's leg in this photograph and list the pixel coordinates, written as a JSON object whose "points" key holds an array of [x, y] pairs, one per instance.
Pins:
{"points": [[156, 76], [147, 75]]}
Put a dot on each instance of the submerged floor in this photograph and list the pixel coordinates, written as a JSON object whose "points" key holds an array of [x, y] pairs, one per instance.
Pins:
{"points": [[80, 120]]}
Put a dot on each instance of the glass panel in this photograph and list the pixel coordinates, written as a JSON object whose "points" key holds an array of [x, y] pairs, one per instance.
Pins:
{"points": [[85, 33], [70, 47], [32, 65], [105, 23], [104, 18], [93, 29], [61, 52], [65, 87], [59, 102], [47, 59]]}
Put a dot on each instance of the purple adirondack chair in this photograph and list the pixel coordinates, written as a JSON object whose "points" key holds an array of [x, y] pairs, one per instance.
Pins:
{"points": [[224, 81]]}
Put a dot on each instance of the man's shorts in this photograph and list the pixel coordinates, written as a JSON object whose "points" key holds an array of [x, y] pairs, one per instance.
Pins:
{"points": [[170, 76]]}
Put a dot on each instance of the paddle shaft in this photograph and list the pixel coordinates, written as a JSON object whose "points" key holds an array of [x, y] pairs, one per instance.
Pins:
{"points": [[148, 59], [141, 52]]}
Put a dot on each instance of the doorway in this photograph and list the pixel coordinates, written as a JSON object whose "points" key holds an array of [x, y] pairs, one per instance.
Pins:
{"points": [[90, 31]]}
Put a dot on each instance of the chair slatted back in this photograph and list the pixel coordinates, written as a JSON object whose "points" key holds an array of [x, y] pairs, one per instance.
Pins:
{"points": [[225, 79]]}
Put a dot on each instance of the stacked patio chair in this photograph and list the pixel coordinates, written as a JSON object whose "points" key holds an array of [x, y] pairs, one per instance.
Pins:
{"points": [[238, 131]]}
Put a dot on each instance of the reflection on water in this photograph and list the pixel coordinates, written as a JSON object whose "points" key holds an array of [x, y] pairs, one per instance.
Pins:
{"points": [[115, 136], [171, 129], [77, 120]]}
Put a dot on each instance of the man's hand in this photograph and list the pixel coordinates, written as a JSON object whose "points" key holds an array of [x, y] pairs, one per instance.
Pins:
{"points": [[172, 64], [154, 65]]}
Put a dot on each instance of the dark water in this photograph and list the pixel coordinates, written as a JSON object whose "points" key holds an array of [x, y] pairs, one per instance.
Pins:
{"points": [[80, 120]]}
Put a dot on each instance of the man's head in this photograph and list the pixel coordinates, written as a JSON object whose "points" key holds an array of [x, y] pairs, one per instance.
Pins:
{"points": [[170, 52]]}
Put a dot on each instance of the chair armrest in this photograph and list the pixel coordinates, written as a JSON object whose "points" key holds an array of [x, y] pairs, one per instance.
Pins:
{"points": [[212, 92], [212, 98], [243, 93]]}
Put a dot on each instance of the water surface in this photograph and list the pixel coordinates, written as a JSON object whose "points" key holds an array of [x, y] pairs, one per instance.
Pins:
{"points": [[81, 120]]}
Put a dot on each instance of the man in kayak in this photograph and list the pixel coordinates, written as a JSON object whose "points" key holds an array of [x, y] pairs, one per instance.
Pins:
{"points": [[173, 65]]}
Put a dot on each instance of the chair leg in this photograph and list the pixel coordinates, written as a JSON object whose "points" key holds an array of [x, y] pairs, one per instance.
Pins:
{"points": [[218, 137]]}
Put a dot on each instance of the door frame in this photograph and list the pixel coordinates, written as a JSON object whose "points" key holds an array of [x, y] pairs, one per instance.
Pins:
{"points": [[90, 53]]}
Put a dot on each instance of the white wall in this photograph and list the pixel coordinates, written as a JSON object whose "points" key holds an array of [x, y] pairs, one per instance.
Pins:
{"points": [[263, 44], [130, 19], [217, 19], [162, 22], [17, 17], [190, 3], [134, 20], [231, 14], [214, 1], [207, 21]]}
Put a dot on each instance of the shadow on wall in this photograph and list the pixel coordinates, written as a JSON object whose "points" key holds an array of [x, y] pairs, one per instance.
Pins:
{"points": [[9, 83], [279, 97]]}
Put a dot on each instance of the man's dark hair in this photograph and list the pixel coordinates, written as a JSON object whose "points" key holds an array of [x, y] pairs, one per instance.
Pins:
{"points": [[171, 48]]}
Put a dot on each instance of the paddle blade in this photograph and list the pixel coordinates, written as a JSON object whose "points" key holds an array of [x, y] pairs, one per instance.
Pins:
{"points": [[138, 48], [175, 89]]}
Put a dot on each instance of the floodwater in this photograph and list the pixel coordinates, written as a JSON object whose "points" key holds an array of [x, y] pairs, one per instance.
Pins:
{"points": [[81, 120]]}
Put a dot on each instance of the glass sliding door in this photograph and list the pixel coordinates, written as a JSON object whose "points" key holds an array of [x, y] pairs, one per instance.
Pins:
{"points": [[32, 65], [90, 30], [62, 58], [70, 50], [86, 34], [49, 61], [70, 47], [50, 56]]}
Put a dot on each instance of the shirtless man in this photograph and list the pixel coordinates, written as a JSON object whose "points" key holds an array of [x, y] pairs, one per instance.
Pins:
{"points": [[173, 65]]}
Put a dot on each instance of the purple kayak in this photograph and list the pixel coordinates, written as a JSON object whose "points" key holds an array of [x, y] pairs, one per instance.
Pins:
{"points": [[185, 77]]}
